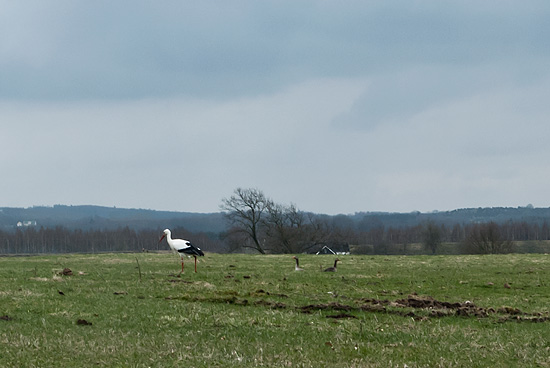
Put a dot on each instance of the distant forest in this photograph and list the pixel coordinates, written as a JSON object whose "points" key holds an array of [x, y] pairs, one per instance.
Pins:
{"points": [[63, 229], [108, 218]]}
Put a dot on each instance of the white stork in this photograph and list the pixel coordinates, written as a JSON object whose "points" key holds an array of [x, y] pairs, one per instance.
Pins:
{"points": [[182, 247]]}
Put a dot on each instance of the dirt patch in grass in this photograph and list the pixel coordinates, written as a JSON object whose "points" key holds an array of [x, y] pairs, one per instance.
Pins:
{"points": [[261, 292], [83, 322], [410, 305], [341, 316], [414, 306], [424, 307], [437, 308], [330, 306], [274, 305], [66, 272]]}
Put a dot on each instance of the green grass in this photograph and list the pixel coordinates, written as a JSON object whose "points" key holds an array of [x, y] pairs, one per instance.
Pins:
{"points": [[252, 311]]}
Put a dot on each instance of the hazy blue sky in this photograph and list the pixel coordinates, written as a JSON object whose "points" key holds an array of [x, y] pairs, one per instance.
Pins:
{"points": [[336, 107]]}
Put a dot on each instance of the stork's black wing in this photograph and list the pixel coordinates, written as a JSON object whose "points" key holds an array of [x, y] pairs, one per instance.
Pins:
{"points": [[191, 250]]}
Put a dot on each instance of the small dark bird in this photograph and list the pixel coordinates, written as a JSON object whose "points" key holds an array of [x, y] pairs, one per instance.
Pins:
{"points": [[332, 269], [60, 292], [297, 267]]}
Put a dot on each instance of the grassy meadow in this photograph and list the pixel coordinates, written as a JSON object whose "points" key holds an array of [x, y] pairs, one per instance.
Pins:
{"points": [[132, 310]]}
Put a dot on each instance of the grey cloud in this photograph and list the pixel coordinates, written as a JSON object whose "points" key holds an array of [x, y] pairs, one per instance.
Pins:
{"points": [[367, 105], [103, 50]]}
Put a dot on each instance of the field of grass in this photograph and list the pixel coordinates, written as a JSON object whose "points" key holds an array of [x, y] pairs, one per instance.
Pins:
{"points": [[131, 310]]}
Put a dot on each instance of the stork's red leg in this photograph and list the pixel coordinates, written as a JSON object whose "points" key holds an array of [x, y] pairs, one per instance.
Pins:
{"points": [[182, 265], [195, 264]]}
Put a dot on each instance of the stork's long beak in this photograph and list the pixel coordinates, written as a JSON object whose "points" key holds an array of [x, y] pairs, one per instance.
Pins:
{"points": [[162, 237]]}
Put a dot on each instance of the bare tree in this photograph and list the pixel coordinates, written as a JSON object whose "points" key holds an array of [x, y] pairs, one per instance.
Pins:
{"points": [[287, 229], [432, 236], [277, 228], [245, 210], [265, 226], [487, 239], [315, 231]]}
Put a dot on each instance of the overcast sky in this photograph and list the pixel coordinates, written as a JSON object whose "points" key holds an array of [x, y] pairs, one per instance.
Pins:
{"points": [[337, 107]]}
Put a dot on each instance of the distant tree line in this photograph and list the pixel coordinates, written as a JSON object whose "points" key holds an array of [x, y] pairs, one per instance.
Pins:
{"points": [[482, 238], [31, 240], [256, 222], [283, 230]]}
